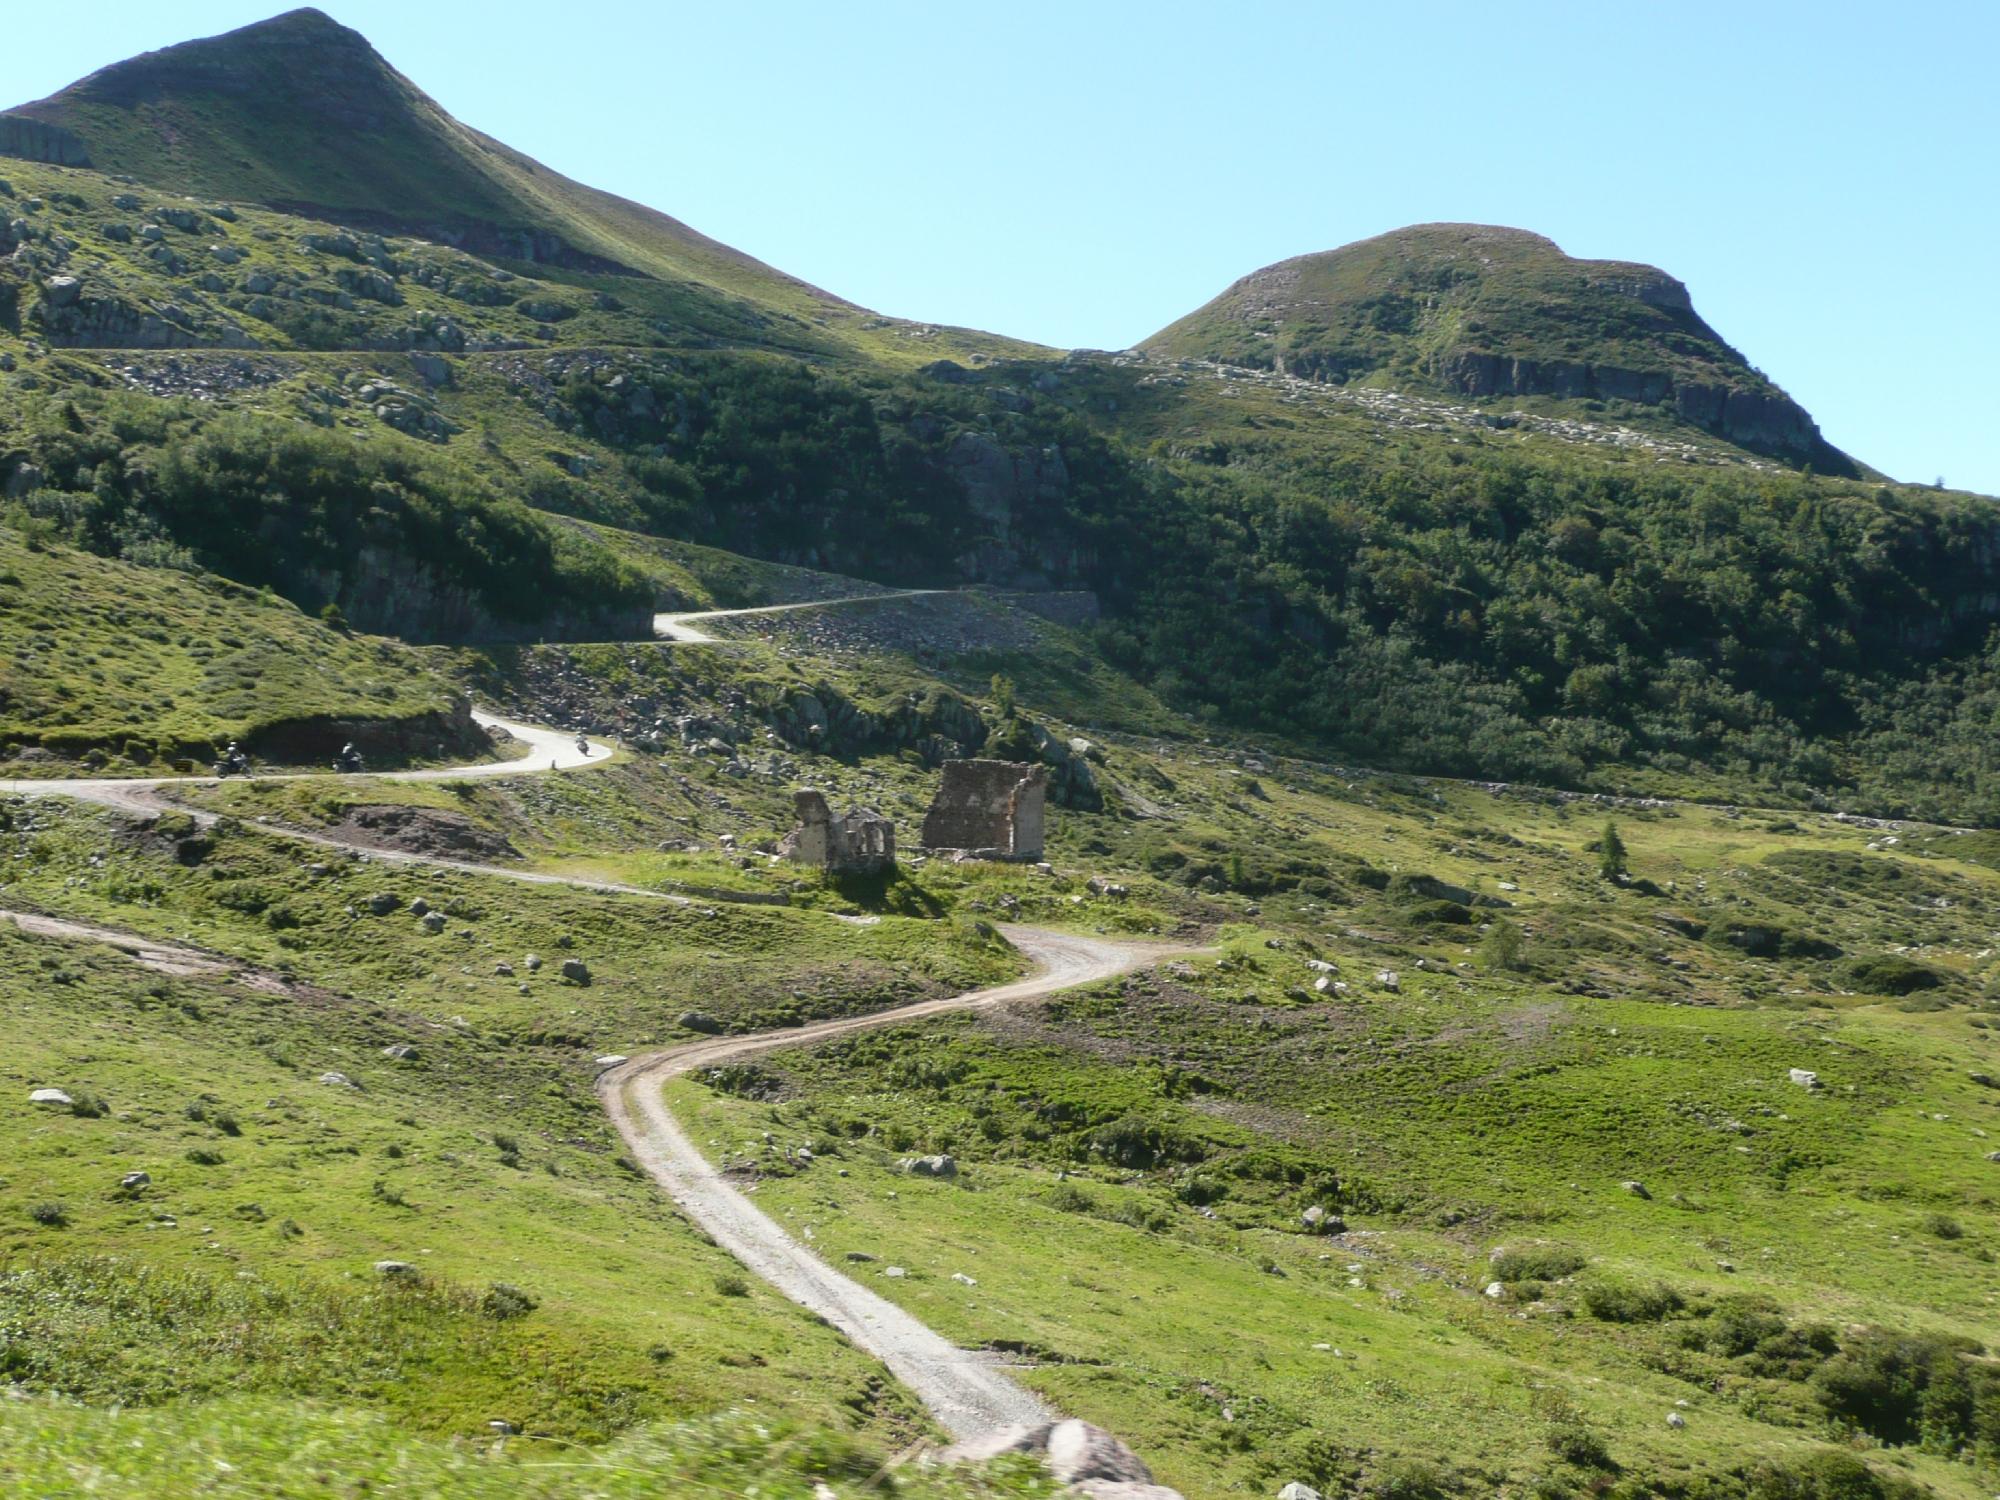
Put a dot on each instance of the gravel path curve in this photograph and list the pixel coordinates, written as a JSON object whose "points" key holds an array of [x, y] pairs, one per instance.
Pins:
{"points": [[963, 1389]]}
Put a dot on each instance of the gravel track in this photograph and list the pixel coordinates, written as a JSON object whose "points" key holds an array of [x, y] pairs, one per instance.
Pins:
{"points": [[963, 1388]]}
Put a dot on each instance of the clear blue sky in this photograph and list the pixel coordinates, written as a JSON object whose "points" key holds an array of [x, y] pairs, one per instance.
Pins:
{"points": [[1825, 177]]}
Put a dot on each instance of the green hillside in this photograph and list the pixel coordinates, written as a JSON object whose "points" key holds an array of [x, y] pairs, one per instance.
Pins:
{"points": [[139, 666], [1487, 312], [301, 114], [1554, 788]]}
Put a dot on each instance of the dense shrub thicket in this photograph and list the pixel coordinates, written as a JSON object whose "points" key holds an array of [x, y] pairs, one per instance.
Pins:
{"points": [[314, 515], [1446, 607], [1455, 607]]}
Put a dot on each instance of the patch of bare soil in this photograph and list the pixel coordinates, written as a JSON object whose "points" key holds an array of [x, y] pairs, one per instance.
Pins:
{"points": [[420, 830]]}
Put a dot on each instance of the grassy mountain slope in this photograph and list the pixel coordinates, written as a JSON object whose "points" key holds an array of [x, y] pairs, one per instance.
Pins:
{"points": [[150, 664], [1485, 312], [302, 114], [1798, 1259], [1569, 598]]}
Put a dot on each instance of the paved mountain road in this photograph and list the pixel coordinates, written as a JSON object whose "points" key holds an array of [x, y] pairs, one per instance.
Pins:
{"points": [[681, 627]]}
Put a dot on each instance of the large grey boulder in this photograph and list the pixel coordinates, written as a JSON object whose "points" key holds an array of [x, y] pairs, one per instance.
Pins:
{"points": [[576, 971], [929, 1166], [1297, 1491], [50, 1096], [1078, 1451]]}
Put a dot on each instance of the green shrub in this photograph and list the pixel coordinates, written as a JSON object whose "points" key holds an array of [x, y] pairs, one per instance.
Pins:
{"points": [[50, 1215], [1737, 1324], [1908, 1388], [1890, 974], [1613, 1303], [1537, 1263], [504, 1300], [1575, 1441], [1828, 1474]]}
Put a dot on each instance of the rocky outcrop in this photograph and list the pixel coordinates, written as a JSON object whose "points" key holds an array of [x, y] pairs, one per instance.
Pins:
{"points": [[388, 592], [1085, 1458], [480, 237], [1766, 422], [447, 733], [72, 318], [1015, 498], [37, 140]]}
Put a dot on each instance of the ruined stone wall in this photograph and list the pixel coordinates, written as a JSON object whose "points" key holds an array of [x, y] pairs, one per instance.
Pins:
{"points": [[992, 807], [858, 842]]}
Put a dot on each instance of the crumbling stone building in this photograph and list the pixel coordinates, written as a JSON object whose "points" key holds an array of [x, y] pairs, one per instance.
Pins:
{"points": [[991, 808], [858, 842]]}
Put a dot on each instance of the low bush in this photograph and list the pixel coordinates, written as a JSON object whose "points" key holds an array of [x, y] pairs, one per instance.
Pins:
{"points": [[1611, 1302], [1537, 1263]]}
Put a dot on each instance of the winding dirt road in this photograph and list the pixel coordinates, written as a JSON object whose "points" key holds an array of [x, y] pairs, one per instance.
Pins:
{"points": [[965, 1390], [962, 1388], [548, 750]]}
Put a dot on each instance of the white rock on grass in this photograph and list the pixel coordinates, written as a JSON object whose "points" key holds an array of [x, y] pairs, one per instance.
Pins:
{"points": [[50, 1096], [1078, 1452]]}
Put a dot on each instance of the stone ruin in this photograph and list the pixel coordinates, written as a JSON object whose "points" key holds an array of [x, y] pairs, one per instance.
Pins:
{"points": [[991, 809], [858, 842]]}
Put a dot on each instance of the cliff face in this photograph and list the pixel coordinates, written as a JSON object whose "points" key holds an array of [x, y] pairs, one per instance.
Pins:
{"points": [[1764, 421], [1481, 312], [391, 593], [38, 140]]}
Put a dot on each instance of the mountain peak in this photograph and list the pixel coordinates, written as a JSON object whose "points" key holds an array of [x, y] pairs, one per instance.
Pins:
{"points": [[303, 114], [1484, 311]]}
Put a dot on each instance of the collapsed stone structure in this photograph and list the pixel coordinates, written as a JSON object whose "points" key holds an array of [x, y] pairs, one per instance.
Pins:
{"points": [[858, 842], [989, 808]]}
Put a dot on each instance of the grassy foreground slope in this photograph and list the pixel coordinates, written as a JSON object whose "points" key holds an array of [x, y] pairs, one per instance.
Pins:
{"points": [[1582, 1194], [1809, 1270], [370, 1091]]}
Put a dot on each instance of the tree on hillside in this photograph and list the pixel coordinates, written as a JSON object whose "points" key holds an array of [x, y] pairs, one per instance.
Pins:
{"points": [[1501, 948], [1611, 853]]}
